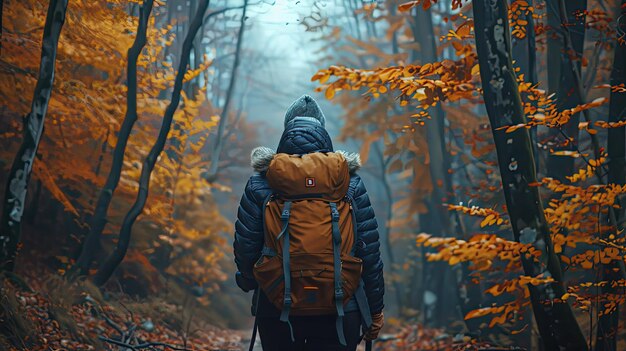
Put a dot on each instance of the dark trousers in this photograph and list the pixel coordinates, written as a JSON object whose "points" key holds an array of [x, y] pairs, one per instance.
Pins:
{"points": [[311, 333]]}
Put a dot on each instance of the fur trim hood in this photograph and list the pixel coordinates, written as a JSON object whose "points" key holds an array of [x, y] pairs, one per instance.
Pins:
{"points": [[261, 157]]}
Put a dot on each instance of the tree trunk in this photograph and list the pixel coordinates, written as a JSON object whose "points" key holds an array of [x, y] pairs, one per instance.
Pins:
{"points": [[606, 336], [525, 55], [439, 312], [572, 23], [555, 319], [193, 85], [110, 264], [386, 237], [440, 274], [33, 209], [384, 179], [19, 176], [524, 49], [554, 44], [91, 243], [1, 12], [219, 143]]}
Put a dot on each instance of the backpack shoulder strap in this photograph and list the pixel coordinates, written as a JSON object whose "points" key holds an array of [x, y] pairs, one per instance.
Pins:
{"points": [[334, 213], [284, 233]]}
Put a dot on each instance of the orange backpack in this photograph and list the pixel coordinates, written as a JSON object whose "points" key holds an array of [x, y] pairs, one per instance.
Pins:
{"points": [[307, 266]]}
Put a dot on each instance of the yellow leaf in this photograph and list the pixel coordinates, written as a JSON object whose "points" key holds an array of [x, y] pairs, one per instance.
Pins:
{"points": [[454, 260], [422, 237], [565, 296], [586, 264], [487, 220], [407, 5], [330, 92], [475, 70]]}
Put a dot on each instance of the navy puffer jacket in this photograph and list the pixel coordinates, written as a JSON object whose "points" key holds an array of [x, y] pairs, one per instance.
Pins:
{"points": [[305, 136]]}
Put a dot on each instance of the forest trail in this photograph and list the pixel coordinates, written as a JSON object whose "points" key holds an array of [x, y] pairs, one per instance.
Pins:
{"points": [[245, 341]]}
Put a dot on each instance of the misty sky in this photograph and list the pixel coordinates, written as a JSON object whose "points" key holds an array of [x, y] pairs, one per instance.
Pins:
{"points": [[276, 36]]}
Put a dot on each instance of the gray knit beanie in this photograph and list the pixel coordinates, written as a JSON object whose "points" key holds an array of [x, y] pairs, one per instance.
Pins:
{"points": [[305, 108]]}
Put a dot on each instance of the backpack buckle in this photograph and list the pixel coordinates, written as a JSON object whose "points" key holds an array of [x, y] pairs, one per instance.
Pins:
{"points": [[334, 213], [284, 215], [339, 293]]}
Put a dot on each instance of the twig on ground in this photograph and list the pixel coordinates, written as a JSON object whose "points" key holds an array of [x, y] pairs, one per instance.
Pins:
{"points": [[112, 324], [141, 346]]}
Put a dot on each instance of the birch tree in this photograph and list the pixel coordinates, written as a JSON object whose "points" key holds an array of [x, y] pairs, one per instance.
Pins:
{"points": [[21, 169]]}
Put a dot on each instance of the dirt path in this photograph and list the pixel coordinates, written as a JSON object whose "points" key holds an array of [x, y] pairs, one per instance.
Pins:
{"points": [[245, 341]]}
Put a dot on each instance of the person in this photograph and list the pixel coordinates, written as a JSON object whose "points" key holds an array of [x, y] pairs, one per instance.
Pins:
{"points": [[305, 133]]}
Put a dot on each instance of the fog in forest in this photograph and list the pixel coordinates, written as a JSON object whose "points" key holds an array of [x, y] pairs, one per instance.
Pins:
{"points": [[488, 196]]}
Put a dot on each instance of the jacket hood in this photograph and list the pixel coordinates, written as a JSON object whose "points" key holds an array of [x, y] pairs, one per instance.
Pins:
{"points": [[261, 157], [305, 130], [304, 135]]}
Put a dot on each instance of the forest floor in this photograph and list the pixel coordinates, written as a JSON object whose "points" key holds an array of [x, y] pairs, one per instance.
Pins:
{"points": [[51, 314], [42, 311]]}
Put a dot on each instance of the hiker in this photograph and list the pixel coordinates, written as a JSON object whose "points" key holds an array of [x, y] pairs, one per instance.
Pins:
{"points": [[306, 242]]}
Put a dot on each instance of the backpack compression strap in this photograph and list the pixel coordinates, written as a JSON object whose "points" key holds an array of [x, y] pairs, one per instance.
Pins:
{"points": [[334, 213], [284, 218]]}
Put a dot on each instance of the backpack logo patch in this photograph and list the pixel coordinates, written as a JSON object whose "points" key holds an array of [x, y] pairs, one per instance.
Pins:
{"points": [[309, 182]]}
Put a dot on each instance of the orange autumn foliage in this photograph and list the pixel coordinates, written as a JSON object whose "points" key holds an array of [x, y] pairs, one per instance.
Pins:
{"points": [[86, 109]]}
